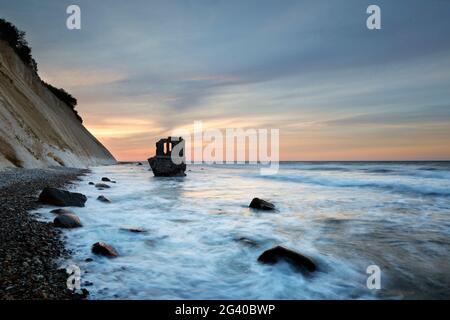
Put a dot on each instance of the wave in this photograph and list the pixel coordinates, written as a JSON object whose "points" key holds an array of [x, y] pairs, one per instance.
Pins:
{"points": [[440, 171], [392, 185]]}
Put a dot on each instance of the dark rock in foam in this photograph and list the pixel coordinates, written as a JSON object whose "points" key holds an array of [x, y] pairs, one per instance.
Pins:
{"points": [[103, 199], [67, 221], [104, 249], [261, 204], [62, 211], [102, 186], [133, 229], [278, 253], [62, 198]]}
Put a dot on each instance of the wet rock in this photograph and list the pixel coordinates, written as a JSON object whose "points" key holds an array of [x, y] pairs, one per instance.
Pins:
{"points": [[62, 211], [105, 179], [91, 183], [89, 260], [81, 293], [133, 229], [62, 198], [139, 164], [104, 249], [261, 204], [163, 164], [278, 253], [67, 221], [102, 186], [164, 167], [103, 199]]}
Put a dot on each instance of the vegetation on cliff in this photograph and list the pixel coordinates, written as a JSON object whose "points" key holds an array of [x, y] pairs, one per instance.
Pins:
{"points": [[16, 39]]}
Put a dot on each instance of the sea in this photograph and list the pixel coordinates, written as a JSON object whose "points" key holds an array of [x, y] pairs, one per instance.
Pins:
{"points": [[202, 240]]}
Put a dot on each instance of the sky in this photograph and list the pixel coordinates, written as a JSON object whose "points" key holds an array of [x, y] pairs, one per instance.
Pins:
{"points": [[312, 69]]}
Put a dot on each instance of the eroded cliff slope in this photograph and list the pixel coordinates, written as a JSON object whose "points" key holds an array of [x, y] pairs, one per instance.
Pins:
{"points": [[36, 128]]}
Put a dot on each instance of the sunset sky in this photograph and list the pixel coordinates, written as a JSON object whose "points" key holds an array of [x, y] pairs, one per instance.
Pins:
{"points": [[336, 90]]}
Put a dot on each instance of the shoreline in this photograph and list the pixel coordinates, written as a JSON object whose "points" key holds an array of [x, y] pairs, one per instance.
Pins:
{"points": [[30, 249]]}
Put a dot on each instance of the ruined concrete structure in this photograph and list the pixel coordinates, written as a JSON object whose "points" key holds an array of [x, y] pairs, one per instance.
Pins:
{"points": [[163, 164]]}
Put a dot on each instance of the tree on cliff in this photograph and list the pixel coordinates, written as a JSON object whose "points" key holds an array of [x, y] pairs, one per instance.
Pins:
{"points": [[16, 39]]}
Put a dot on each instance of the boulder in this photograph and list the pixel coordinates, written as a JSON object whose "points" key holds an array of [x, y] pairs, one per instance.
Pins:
{"points": [[278, 253], [62, 211], [102, 186], [105, 179], [67, 221], [62, 198], [103, 199], [104, 249], [261, 204], [163, 166]]}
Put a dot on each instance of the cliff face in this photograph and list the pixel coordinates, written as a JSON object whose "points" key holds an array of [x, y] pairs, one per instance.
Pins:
{"points": [[37, 129]]}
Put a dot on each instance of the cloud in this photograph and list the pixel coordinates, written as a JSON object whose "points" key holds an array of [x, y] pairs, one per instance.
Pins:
{"points": [[421, 116], [75, 78], [122, 128]]}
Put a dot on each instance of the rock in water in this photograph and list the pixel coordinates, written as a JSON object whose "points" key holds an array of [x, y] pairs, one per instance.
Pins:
{"points": [[277, 253], [132, 229], [62, 198], [105, 179], [62, 211], [91, 183], [261, 204], [162, 163], [102, 186], [67, 221], [104, 249], [103, 199]]}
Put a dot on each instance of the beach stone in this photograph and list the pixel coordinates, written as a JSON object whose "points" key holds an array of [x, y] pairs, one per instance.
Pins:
{"points": [[133, 229], [261, 204], [91, 183], [102, 186], [105, 179], [139, 164], [62, 211], [67, 221], [104, 249], [278, 253], [62, 198], [103, 199]]}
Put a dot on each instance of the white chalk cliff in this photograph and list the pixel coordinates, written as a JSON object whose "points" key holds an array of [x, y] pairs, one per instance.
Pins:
{"points": [[38, 130]]}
